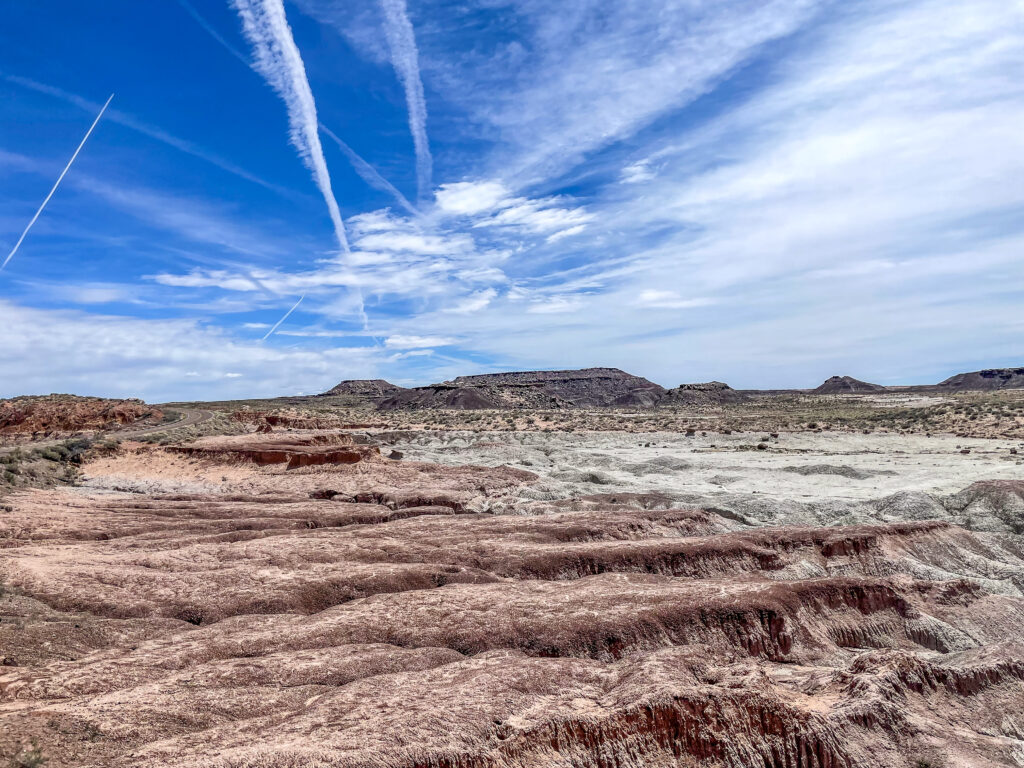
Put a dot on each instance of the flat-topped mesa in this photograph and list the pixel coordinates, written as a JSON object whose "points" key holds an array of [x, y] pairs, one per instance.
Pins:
{"points": [[988, 379], [846, 385], [703, 393], [584, 388], [365, 388]]}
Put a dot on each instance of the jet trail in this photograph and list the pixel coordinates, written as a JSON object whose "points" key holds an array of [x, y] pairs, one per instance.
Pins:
{"points": [[368, 173], [56, 183], [405, 58], [145, 129], [277, 58], [365, 171], [278, 323], [214, 33]]}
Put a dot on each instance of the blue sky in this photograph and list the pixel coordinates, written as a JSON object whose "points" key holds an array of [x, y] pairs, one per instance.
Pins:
{"points": [[762, 192]]}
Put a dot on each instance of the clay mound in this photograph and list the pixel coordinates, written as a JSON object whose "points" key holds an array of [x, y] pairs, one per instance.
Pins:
{"points": [[293, 450], [70, 413], [371, 389], [987, 380], [706, 393], [846, 385], [585, 388]]}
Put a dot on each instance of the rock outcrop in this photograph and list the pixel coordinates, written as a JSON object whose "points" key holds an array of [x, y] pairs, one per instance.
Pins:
{"points": [[584, 388], [368, 389], [706, 393], [846, 385], [70, 413], [986, 380]]}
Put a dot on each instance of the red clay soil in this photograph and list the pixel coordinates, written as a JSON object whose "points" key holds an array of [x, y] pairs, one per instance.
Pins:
{"points": [[301, 450], [70, 413], [310, 624]]}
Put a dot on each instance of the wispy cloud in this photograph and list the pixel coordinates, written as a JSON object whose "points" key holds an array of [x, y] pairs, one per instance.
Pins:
{"points": [[277, 58], [403, 341], [56, 184], [405, 58]]}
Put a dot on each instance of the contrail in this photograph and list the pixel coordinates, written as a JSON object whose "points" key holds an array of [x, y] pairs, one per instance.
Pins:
{"points": [[145, 129], [214, 33], [405, 58], [277, 58], [278, 323], [56, 183], [368, 173]]}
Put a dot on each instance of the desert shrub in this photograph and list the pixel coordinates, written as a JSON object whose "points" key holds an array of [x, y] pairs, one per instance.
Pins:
{"points": [[28, 757]]}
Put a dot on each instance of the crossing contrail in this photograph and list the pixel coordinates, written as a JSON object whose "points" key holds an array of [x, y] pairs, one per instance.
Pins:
{"points": [[405, 58], [368, 173], [88, 133], [278, 323], [277, 58]]}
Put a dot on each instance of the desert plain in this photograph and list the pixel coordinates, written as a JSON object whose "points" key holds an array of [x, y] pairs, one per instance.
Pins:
{"points": [[772, 580]]}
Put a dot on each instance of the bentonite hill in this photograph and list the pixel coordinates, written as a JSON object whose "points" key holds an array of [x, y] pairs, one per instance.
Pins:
{"points": [[699, 577]]}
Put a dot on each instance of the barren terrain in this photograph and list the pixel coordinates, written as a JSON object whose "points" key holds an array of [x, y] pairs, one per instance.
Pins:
{"points": [[719, 585]]}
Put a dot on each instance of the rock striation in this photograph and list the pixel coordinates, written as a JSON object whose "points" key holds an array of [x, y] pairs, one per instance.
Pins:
{"points": [[386, 614], [294, 450]]}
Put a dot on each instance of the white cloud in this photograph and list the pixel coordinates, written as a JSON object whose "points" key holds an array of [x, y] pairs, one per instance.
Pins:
{"points": [[658, 299], [400, 341], [637, 172], [555, 305], [467, 198], [474, 302]]}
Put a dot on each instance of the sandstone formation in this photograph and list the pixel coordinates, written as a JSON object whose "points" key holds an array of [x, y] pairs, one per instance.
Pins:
{"points": [[846, 385], [70, 414], [986, 380]]}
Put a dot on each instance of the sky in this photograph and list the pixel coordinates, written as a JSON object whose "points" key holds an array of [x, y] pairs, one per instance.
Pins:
{"points": [[282, 195]]}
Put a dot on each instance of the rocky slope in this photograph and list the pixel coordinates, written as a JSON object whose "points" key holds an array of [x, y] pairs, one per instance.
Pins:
{"points": [[846, 385], [69, 414], [703, 394], [584, 388], [386, 613], [987, 380], [370, 389]]}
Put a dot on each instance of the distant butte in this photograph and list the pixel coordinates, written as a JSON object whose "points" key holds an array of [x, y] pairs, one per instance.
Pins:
{"points": [[844, 385]]}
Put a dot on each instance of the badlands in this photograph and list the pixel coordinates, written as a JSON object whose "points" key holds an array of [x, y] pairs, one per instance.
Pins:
{"points": [[527, 570]]}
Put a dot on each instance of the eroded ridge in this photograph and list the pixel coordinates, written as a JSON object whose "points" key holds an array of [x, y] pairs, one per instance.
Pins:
{"points": [[203, 605]]}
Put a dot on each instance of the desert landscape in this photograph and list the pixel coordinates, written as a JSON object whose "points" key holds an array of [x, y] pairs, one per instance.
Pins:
{"points": [[568, 568]]}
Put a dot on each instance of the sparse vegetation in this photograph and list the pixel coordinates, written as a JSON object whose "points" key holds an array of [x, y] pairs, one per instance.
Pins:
{"points": [[28, 757]]}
